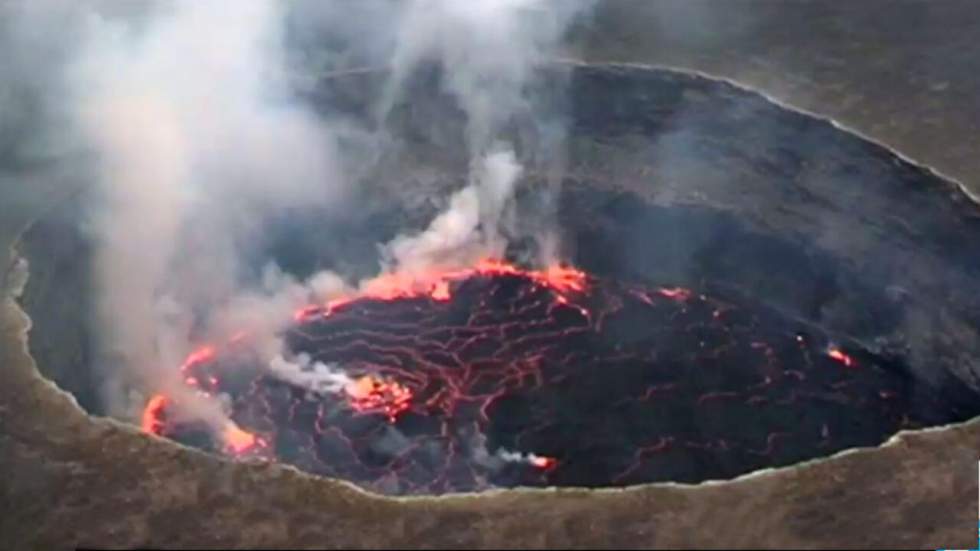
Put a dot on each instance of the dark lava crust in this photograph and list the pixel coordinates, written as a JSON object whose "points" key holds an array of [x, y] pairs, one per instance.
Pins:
{"points": [[610, 386]]}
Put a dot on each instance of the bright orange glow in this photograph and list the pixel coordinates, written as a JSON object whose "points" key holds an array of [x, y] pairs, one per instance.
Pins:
{"points": [[238, 440], [556, 277], [543, 462], [371, 395], [305, 313], [152, 413], [201, 355], [396, 285], [441, 291], [841, 357]]}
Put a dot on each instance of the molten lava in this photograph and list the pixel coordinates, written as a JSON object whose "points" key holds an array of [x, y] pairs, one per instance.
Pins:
{"points": [[499, 376], [152, 421], [436, 284], [201, 355], [370, 394], [441, 291], [840, 356], [238, 440]]}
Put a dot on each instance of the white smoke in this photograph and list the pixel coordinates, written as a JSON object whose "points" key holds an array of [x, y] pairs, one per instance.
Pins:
{"points": [[523, 458], [198, 138], [187, 106], [316, 377], [262, 314], [469, 229], [489, 52]]}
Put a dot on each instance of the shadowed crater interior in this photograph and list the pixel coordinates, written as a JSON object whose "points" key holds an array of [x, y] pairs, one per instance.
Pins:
{"points": [[746, 287]]}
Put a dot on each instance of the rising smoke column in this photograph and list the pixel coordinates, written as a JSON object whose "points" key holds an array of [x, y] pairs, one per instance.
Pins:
{"points": [[469, 229], [490, 53], [198, 140]]}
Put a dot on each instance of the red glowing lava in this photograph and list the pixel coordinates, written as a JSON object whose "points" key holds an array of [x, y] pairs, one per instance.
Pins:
{"points": [[370, 394], [543, 463], [305, 313], [373, 395], [153, 414], [436, 284], [238, 440], [841, 357], [556, 277]]}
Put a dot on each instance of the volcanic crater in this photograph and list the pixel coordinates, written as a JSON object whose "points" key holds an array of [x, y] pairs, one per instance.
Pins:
{"points": [[745, 287]]}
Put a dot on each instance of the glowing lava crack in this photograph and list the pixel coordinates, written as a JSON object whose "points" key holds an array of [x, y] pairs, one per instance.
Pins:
{"points": [[500, 376]]}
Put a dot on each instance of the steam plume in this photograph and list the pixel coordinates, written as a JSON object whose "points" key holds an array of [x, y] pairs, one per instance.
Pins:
{"points": [[189, 110], [318, 377], [469, 228], [198, 140]]}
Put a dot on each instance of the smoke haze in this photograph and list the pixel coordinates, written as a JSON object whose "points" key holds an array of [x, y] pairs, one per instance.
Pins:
{"points": [[198, 138]]}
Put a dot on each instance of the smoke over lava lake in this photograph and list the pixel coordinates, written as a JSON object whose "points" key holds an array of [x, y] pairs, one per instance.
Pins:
{"points": [[747, 287]]}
